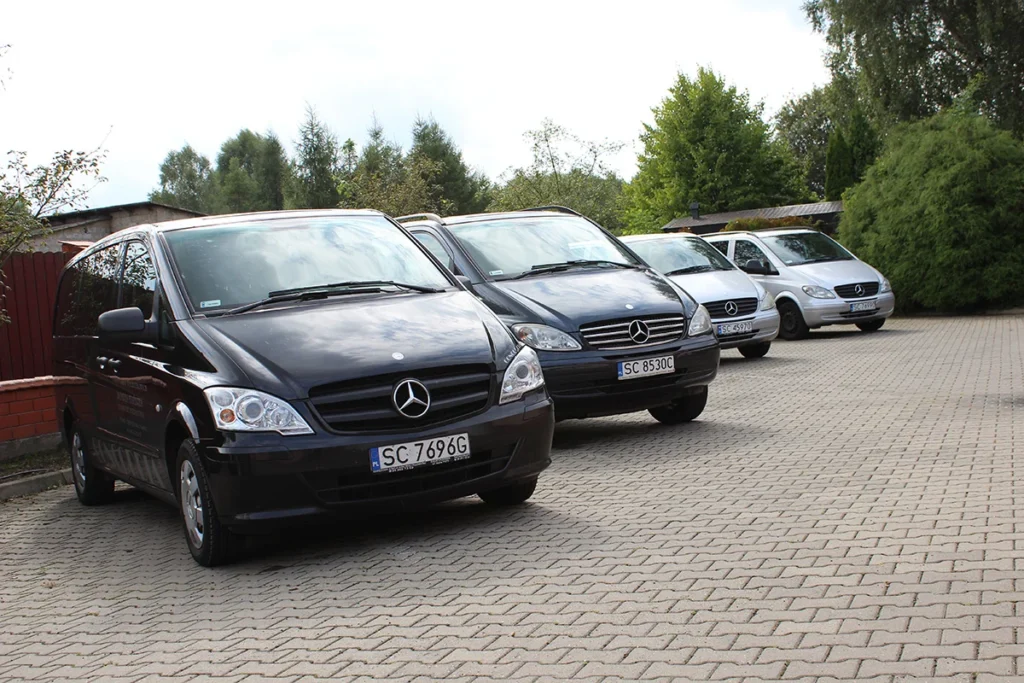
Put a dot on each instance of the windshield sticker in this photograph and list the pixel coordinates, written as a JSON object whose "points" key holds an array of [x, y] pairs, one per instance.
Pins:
{"points": [[212, 303], [496, 272]]}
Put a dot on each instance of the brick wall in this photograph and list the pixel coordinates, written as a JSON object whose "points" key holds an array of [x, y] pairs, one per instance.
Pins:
{"points": [[27, 408]]}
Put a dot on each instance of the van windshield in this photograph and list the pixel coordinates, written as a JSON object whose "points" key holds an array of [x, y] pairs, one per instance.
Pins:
{"points": [[226, 266], [509, 247], [806, 247], [681, 255]]}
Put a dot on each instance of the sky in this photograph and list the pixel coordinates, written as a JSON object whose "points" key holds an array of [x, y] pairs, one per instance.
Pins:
{"points": [[140, 79]]}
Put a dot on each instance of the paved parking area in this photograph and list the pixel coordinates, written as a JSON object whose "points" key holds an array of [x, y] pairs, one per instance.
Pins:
{"points": [[849, 507]]}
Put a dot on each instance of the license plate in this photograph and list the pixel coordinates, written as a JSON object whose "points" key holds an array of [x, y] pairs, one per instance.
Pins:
{"points": [[725, 329], [631, 369], [862, 306], [404, 456]]}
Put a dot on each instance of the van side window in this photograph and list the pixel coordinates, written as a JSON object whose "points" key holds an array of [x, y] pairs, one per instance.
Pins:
{"points": [[97, 290], [138, 282], [64, 320], [748, 251], [435, 247], [722, 246]]}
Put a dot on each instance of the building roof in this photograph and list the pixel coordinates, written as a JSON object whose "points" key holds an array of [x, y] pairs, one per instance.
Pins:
{"points": [[61, 220], [714, 219]]}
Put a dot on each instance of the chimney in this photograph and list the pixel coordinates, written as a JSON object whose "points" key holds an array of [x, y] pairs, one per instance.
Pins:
{"points": [[695, 210]]}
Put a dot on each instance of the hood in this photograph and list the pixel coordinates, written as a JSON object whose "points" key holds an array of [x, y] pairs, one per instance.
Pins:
{"points": [[578, 297], [832, 273], [287, 351], [718, 285]]}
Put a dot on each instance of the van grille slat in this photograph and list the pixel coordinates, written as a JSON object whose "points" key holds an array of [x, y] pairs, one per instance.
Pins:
{"points": [[744, 307], [614, 334], [850, 291]]}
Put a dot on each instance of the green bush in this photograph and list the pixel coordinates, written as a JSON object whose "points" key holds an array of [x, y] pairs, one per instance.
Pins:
{"points": [[941, 214]]}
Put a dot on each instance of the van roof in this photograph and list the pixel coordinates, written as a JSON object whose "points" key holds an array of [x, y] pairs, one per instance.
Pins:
{"points": [[756, 233]]}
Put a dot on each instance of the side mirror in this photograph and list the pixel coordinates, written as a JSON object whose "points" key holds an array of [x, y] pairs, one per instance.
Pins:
{"points": [[465, 282], [125, 324], [755, 267]]}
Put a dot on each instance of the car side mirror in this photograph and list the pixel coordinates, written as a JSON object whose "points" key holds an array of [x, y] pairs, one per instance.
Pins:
{"points": [[126, 325], [755, 267], [465, 282]]}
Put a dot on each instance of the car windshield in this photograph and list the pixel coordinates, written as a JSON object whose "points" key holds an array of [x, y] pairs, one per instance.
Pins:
{"points": [[509, 247], [680, 255], [223, 267], [806, 247]]}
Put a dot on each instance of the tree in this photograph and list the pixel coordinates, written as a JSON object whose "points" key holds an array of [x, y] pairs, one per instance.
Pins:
{"points": [[941, 213], [29, 194], [186, 181], [863, 141], [804, 124], [454, 183], [317, 168], [709, 144], [839, 168], [252, 172], [565, 171], [917, 56]]}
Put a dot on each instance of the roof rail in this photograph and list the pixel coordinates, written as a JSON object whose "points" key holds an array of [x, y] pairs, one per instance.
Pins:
{"points": [[559, 209], [420, 216]]}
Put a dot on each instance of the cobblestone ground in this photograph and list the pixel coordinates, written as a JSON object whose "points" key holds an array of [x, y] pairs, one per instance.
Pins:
{"points": [[849, 507]]}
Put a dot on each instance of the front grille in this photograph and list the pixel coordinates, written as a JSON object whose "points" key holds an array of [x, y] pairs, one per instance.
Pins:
{"points": [[717, 308], [365, 405], [614, 334], [850, 291], [347, 487]]}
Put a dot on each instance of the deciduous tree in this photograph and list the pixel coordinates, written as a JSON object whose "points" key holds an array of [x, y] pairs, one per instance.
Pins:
{"points": [[186, 181]]}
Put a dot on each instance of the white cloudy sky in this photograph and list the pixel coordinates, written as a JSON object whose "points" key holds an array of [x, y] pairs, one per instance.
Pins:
{"points": [[142, 78]]}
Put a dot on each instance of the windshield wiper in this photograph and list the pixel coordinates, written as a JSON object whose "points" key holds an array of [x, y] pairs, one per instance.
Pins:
{"points": [[566, 265], [324, 291], [691, 269], [823, 260]]}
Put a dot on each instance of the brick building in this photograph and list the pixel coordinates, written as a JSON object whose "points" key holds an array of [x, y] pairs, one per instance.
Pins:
{"points": [[90, 225]]}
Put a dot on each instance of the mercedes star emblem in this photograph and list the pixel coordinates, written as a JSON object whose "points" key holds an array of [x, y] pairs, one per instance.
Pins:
{"points": [[859, 290], [731, 308], [411, 398], [639, 332]]}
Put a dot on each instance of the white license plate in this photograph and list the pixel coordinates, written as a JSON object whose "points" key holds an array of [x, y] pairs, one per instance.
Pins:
{"points": [[863, 306], [725, 329], [631, 369], [404, 456]]}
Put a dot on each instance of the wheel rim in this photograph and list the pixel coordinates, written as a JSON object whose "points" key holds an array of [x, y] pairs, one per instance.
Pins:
{"points": [[192, 504], [78, 461], [789, 320]]}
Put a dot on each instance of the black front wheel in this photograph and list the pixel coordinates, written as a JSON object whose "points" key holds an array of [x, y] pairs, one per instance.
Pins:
{"points": [[685, 409], [512, 494], [871, 325], [92, 486], [755, 350], [208, 540], [791, 325]]}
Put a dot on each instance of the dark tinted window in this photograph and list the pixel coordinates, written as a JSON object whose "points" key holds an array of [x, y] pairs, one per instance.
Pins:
{"points": [[64, 320], [722, 246], [435, 247], [138, 283], [96, 291], [748, 251]]}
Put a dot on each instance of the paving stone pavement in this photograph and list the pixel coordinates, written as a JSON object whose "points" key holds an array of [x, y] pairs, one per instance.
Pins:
{"points": [[847, 508]]}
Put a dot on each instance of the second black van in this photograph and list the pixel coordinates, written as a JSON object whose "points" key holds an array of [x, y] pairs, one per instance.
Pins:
{"points": [[613, 335]]}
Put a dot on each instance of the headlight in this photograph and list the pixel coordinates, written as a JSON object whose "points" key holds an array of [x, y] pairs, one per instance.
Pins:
{"points": [[522, 375], [818, 292], [700, 323], [247, 410], [767, 301], [545, 338], [886, 287]]}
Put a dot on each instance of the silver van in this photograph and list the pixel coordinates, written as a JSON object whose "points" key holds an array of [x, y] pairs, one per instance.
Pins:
{"points": [[742, 311], [815, 280]]}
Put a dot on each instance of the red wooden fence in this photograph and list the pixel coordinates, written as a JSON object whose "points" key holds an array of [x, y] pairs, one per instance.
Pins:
{"points": [[31, 286]]}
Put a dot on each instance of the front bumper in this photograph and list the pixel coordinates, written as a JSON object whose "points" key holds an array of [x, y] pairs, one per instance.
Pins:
{"points": [[282, 479], [586, 383], [821, 312], [766, 328]]}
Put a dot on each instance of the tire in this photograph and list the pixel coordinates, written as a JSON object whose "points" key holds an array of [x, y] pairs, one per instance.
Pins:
{"points": [[210, 543], [92, 486], [791, 324], [512, 494], [871, 325], [685, 409], [755, 350]]}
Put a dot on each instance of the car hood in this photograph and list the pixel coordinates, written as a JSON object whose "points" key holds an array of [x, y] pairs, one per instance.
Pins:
{"points": [[718, 285], [578, 297], [287, 351], [832, 273]]}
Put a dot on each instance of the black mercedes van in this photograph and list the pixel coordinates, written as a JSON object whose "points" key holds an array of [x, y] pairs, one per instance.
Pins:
{"points": [[613, 335], [266, 368]]}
